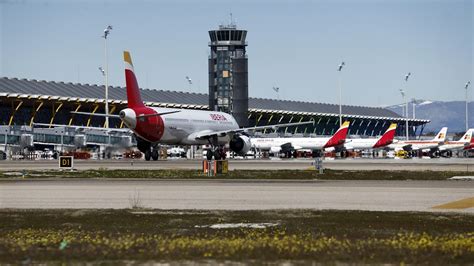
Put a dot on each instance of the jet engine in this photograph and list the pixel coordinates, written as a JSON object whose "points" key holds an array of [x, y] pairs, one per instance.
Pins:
{"points": [[240, 144], [275, 150]]}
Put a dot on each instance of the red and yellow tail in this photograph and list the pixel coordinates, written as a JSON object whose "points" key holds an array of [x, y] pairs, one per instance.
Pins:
{"points": [[441, 136], [387, 137], [133, 91], [339, 137]]}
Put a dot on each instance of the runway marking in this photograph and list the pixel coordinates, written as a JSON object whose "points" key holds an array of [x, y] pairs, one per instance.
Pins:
{"points": [[459, 204]]}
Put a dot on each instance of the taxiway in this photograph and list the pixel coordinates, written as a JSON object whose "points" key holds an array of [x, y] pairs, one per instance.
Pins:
{"points": [[439, 164], [238, 194]]}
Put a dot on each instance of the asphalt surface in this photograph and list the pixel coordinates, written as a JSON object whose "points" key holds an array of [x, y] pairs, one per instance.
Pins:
{"points": [[439, 164], [238, 194]]}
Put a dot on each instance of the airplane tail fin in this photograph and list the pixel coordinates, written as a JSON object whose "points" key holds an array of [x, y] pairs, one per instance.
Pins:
{"points": [[387, 137], [467, 138], [441, 136], [133, 91], [339, 137]]}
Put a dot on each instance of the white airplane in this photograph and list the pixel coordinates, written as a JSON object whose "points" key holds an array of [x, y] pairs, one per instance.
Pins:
{"points": [[277, 145], [461, 144], [153, 125], [470, 146], [372, 143], [415, 145]]}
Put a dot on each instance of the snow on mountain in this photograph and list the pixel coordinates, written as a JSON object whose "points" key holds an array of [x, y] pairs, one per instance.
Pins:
{"points": [[451, 114]]}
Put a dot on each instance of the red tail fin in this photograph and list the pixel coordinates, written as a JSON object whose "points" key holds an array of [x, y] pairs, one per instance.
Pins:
{"points": [[387, 137], [133, 91], [339, 137]]}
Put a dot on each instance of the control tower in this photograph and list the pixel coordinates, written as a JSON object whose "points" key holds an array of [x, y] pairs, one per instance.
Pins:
{"points": [[228, 72]]}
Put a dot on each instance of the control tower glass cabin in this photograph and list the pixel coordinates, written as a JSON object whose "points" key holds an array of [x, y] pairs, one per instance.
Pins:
{"points": [[228, 72]]}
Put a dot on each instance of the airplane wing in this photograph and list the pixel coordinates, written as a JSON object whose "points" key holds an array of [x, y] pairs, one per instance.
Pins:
{"points": [[124, 130], [408, 147], [95, 114], [399, 145], [208, 134], [118, 116], [288, 146]]}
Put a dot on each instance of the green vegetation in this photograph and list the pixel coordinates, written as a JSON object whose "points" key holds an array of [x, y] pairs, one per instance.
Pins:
{"points": [[241, 174], [300, 235]]}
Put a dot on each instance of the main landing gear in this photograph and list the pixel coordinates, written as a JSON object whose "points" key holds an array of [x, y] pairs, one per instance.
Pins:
{"points": [[218, 153]]}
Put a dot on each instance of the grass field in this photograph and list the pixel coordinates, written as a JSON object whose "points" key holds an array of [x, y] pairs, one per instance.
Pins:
{"points": [[303, 236], [241, 174]]}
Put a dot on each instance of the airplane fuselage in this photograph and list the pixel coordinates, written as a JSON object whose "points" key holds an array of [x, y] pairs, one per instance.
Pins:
{"points": [[415, 145], [453, 145], [360, 144], [180, 128], [274, 144]]}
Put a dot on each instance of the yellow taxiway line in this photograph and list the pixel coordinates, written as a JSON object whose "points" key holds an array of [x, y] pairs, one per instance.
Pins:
{"points": [[459, 204]]}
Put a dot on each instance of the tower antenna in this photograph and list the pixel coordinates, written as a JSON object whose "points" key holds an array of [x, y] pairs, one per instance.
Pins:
{"points": [[231, 19]]}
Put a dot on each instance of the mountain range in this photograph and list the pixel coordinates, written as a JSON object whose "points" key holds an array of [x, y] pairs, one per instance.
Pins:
{"points": [[442, 114]]}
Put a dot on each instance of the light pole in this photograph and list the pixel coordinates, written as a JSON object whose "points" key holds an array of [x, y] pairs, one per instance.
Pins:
{"points": [[406, 110], [277, 90], [190, 82], [339, 68], [467, 123], [406, 87], [106, 33], [413, 104]]}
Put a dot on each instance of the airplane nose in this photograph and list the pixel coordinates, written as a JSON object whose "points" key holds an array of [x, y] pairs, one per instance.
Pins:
{"points": [[129, 117]]}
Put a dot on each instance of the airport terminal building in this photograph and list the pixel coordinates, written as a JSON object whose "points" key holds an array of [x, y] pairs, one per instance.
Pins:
{"points": [[25, 102]]}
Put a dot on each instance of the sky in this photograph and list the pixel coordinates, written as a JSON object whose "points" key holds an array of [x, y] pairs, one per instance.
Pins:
{"points": [[294, 45]]}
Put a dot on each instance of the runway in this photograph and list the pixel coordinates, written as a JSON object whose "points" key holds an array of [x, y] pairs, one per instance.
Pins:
{"points": [[239, 194], [439, 164]]}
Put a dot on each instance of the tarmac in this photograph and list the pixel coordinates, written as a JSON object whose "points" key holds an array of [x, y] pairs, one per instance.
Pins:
{"points": [[438, 164], [437, 196], [457, 195]]}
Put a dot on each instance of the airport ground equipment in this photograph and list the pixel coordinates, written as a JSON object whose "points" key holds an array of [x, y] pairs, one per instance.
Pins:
{"points": [[215, 167], [318, 164]]}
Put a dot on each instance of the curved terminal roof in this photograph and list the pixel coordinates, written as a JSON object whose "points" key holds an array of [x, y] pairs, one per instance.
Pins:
{"points": [[14, 87]]}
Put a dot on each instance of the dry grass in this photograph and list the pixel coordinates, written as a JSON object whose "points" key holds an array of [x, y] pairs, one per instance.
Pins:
{"points": [[299, 235], [245, 174]]}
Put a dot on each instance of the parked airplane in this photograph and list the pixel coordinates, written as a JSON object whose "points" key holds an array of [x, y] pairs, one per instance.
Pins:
{"points": [[470, 146], [449, 146], [372, 143], [153, 125], [421, 145], [284, 145]]}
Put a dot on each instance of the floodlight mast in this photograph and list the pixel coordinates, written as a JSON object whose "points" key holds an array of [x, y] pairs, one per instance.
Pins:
{"points": [[190, 82], [467, 121], [339, 69], [106, 74], [405, 110], [406, 120], [277, 90]]}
